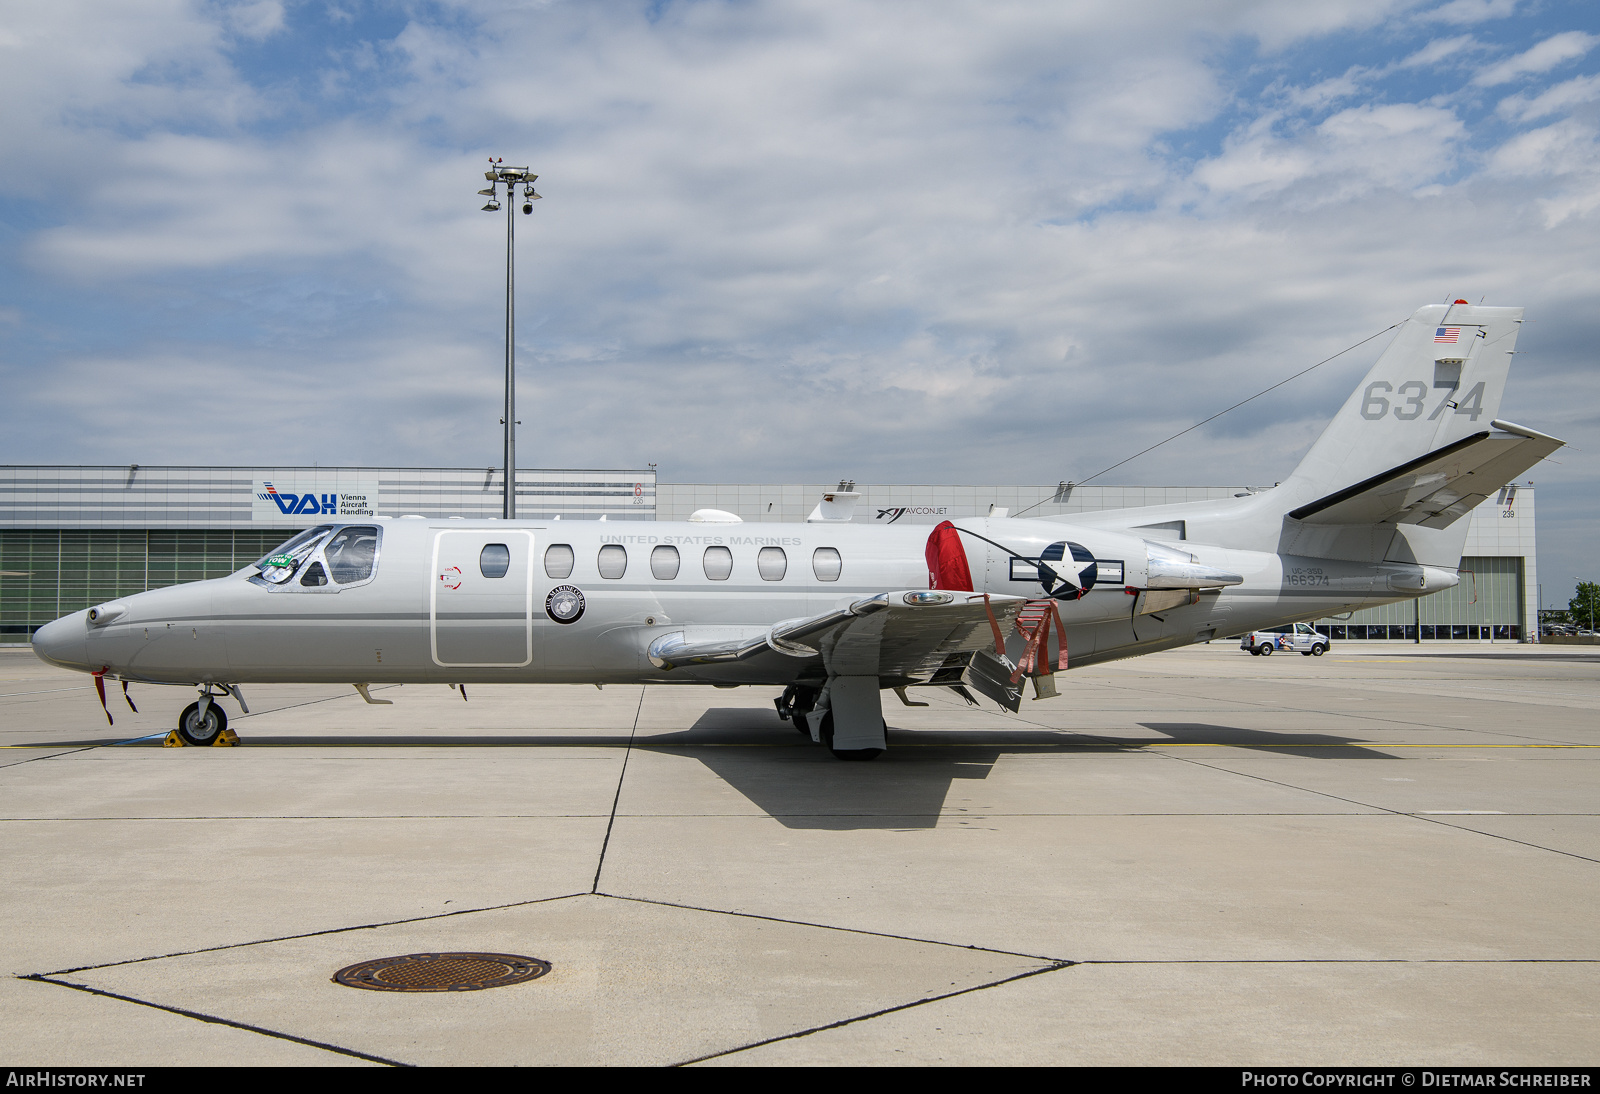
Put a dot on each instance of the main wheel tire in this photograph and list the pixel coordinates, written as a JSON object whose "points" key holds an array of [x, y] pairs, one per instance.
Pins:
{"points": [[1266, 649], [197, 731], [1319, 649], [856, 753], [826, 733]]}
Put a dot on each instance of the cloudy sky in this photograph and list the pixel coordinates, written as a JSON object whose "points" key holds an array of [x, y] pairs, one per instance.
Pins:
{"points": [[787, 241]]}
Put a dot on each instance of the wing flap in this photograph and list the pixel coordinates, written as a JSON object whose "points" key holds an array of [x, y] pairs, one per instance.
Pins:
{"points": [[908, 633], [1437, 489]]}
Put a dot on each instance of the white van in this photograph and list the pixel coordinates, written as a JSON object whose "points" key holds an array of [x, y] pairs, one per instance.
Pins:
{"points": [[1298, 637]]}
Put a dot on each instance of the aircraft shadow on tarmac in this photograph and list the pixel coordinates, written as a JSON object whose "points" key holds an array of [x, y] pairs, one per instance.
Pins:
{"points": [[1316, 746], [800, 785], [804, 787]]}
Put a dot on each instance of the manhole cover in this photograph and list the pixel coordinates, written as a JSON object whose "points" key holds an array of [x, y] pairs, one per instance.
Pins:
{"points": [[441, 972]]}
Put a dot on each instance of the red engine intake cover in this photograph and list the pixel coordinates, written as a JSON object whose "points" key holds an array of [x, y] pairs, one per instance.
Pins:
{"points": [[947, 560]]}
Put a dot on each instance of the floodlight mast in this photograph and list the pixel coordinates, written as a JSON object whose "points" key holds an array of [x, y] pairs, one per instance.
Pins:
{"points": [[511, 177]]}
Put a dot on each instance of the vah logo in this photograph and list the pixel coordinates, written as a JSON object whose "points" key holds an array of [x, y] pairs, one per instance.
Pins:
{"points": [[309, 503]]}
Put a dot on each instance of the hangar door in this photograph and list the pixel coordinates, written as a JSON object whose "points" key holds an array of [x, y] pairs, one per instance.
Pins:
{"points": [[480, 608]]}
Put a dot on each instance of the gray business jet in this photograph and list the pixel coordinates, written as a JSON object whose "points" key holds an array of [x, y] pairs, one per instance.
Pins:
{"points": [[834, 612]]}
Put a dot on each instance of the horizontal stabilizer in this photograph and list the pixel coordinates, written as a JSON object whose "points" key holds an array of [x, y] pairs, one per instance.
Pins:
{"points": [[1439, 488]]}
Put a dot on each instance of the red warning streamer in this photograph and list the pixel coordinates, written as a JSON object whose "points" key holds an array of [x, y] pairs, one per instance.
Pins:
{"points": [[994, 626], [1033, 623], [100, 687]]}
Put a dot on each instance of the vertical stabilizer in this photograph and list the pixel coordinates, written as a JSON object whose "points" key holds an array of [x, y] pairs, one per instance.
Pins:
{"points": [[1438, 384], [1440, 380]]}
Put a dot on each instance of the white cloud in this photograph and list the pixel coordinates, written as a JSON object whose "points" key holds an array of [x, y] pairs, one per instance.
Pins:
{"points": [[782, 240], [1558, 149], [1555, 50], [79, 76], [255, 19], [1471, 11], [1573, 92], [1399, 145], [1441, 49]]}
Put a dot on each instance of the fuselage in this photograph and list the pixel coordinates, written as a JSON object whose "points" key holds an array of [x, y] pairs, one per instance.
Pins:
{"points": [[458, 601]]}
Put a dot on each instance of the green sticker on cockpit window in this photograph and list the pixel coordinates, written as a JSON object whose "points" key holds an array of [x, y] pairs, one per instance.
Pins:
{"points": [[281, 560]]}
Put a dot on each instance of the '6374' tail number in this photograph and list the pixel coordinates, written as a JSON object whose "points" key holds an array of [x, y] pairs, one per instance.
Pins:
{"points": [[1411, 399]]}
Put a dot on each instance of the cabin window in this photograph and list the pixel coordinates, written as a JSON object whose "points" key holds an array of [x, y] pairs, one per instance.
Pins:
{"points": [[315, 575], [613, 561], [494, 560], [718, 563], [772, 563], [826, 563], [664, 562], [558, 560], [352, 553]]}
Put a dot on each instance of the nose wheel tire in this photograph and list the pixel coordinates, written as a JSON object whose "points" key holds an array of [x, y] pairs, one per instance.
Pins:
{"points": [[196, 730]]}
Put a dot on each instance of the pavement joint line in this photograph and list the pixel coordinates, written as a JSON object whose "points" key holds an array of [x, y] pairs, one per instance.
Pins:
{"points": [[47, 691], [1053, 967], [304, 934], [214, 1020], [1430, 819], [68, 751], [1057, 961], [600, 863]]}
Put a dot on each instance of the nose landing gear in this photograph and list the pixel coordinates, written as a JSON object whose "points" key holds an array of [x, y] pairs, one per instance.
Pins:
{"points": [[204, 722]]}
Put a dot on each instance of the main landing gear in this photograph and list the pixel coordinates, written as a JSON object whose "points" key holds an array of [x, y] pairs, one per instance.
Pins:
{"points": [[812, 711], [795, 703]]}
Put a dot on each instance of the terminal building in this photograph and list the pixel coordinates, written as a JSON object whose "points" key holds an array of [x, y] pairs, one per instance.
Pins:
{"points": [[73, 536]]}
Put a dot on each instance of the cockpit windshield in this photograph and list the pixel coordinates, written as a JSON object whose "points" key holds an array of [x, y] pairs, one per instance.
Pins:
{"points": [[283, 563]]}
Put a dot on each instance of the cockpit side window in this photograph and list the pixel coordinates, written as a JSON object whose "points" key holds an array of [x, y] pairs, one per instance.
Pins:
{"points": [[352, 553], [282, 564]]}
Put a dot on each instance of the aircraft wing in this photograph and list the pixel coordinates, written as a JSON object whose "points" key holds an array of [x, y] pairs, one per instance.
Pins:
{"points": [[1437, 489], [907, 634]]}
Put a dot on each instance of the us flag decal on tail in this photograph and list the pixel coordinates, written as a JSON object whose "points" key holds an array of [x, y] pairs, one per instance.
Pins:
{"points": [[1447, 335]]}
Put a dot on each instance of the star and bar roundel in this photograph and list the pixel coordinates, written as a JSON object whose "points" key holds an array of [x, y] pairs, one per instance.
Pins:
{"points": [[1067, 570]]}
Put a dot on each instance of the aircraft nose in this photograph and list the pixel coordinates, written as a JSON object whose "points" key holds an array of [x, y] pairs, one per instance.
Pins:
{"points": [[64, 642]]}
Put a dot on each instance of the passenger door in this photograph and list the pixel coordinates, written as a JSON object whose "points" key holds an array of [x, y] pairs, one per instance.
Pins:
{"points": [[480, 607]]}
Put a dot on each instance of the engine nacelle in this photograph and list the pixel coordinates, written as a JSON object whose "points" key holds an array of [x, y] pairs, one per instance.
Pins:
{"points": [[1090, 572]]}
